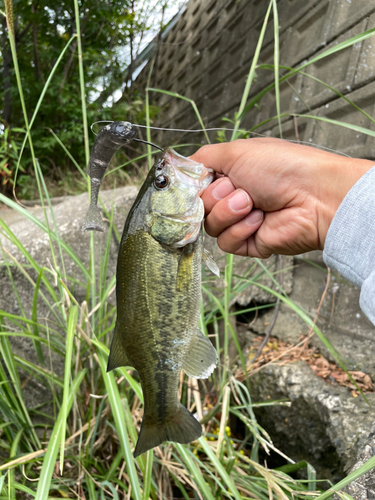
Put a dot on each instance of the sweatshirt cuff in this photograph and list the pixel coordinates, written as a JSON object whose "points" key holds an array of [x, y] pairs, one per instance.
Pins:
{"points": [[350, 243]]}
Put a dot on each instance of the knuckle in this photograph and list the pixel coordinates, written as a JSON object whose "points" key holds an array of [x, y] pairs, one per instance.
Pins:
{"points": [[210, 229]]}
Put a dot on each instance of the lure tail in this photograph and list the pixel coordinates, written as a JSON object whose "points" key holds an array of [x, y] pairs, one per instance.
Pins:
{"points": [[182, 428], [93, 220]]}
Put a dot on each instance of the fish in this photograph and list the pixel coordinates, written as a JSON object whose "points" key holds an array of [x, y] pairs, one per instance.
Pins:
{"points": [[109, 140], [158, 290]]}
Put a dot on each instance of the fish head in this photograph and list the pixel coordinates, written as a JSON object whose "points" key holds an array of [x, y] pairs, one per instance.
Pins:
{"points": [[176, 210]]}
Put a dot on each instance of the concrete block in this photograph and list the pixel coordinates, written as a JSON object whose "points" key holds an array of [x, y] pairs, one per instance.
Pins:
{"points": [[366, 63], [347, 13], [337, 71], [306, 36], [343, 139]]}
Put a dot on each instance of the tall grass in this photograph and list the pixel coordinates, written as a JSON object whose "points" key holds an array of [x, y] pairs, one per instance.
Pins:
{"points": [[81, 445]]}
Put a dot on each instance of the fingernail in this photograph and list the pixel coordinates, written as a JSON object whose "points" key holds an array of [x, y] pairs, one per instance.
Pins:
{"points": [[222, 189], [239, 200], [254, 217]]}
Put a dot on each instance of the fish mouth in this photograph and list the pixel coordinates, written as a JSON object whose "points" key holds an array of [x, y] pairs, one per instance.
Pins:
{"points": [[189, 171], [194, 176]]}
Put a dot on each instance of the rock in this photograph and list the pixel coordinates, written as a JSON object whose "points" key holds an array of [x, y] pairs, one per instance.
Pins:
{"points": [[324, 425], [363, 488]]}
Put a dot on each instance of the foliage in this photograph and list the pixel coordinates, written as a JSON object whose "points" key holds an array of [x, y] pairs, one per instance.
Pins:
{"points": [[42, 30]]}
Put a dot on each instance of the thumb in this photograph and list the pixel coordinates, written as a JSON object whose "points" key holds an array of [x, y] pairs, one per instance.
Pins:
{"points": [[219, 157]]}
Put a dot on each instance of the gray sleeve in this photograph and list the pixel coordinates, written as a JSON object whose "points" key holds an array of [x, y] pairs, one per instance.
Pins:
{"points": [[350, 242]]}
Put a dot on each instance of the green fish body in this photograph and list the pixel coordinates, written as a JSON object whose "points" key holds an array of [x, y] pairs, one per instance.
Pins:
{"points": [[158, 296]]}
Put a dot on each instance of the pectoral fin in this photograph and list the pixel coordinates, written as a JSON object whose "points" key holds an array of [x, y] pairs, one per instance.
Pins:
{"points": [[202, 358], [117, 355], [210, 263]]}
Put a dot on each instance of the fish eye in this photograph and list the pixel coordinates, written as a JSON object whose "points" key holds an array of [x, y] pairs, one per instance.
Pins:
{"points": [[161, 182]]}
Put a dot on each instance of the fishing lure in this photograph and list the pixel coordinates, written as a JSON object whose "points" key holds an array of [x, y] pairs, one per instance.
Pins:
{"points": [[109, 140]]}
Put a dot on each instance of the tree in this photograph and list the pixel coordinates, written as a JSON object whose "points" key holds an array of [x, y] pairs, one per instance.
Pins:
{"points": [[113, 32]]}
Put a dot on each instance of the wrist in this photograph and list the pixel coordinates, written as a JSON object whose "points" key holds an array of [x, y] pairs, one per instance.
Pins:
{"points": [[338, 176]]}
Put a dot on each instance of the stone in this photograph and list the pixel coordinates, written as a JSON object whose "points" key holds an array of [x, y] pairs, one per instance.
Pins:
{"points": [[324, 424], [363, 488]]}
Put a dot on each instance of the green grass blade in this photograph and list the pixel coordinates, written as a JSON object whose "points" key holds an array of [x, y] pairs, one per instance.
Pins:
{"points": [[355, 128], [43, 372], [72, 324], [40, 100], [147, 111], [366, 467], [49, 461], [250, 76], [312, 77], [276, 61], [73, 160], [119, 417], [302, 314], [9, 361], [148, 475], [227, 296], [194, 106], [220, 469], [13, 453], [133, 383], [18, 79], [34, 317], [195, 472], [82, 82], [332, 50]]}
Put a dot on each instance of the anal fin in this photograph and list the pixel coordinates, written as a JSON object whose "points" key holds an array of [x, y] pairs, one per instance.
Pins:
{"points": [[117, 355], [201, 359]]}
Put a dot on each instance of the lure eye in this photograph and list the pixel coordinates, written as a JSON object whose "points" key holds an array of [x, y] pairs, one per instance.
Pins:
{"points": [[161, 182]]}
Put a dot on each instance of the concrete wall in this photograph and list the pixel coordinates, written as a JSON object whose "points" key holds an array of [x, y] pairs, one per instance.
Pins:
{"points": [[207, 56]]}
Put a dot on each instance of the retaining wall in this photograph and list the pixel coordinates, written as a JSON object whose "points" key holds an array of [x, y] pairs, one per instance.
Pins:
{"points": [[207, 55]]}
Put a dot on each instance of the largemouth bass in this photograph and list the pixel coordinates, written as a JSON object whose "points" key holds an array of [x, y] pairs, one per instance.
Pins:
{"points": [[158, 297]]}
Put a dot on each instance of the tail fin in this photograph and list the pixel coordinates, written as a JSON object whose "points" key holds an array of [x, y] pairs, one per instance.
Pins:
{"points": [[93, 220], [182, 428]]}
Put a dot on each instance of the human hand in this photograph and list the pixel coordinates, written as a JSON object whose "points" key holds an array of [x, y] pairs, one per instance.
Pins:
{"points": [[274, 196]]}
